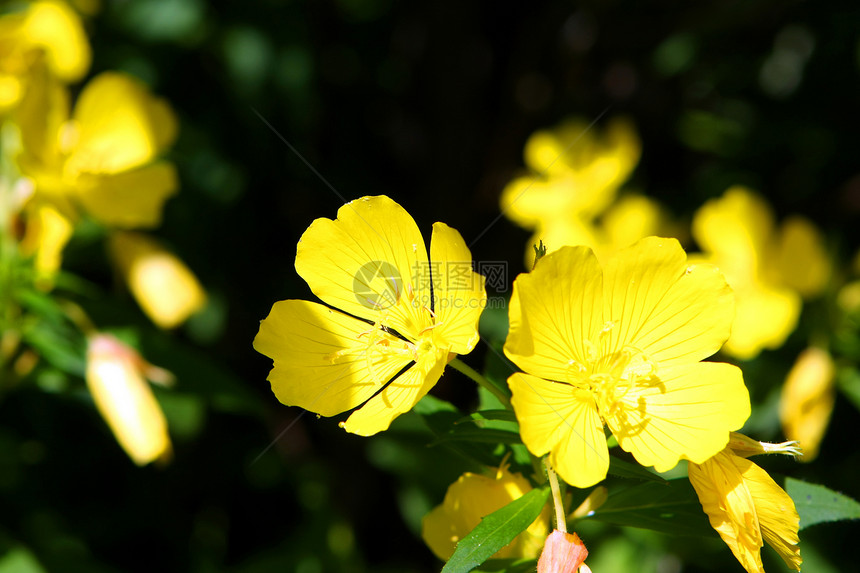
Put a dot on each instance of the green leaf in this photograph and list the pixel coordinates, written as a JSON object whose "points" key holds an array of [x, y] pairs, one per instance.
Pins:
{"points": [[440, 417], [624, 469], [20, 560], [671, 507], [818, 504], [490, 415], [473, 434], [496, 530]]}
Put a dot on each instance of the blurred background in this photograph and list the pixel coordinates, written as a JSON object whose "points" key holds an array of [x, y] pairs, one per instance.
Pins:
{"points": [[431, 104]]}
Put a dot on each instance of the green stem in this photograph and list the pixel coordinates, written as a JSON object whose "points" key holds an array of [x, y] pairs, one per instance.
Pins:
{"points": [[464, 368], [560, 521]]}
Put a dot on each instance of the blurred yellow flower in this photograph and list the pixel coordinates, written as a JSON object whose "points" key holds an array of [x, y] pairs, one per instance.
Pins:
{"points": [[46, 234], [471, 498], [745, 506], [807, 400], [399, 310], [164, 287], [49, 29], [102, 159], [622, 344], [576, 172], [116, 379], [768, 270]]}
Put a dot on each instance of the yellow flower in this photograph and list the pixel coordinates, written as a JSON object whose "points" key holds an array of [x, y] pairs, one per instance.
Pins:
{"points": [[166, 290], [46, 234], [768, 271], [471, 498], [115, 377], [399, 310], [102, 159], [50, 29], [807, 400], [621, 344], [746, 506], [576, 172]]}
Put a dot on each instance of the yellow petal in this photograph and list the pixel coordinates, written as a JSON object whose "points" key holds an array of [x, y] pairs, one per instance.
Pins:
{"points": [[802, 263], [125, 400], [687, 411], [776, 512], [730, 506], [118, 125], [630, 218], [40, 116], [129, 199], [656, 302], [531, 201], [599, 160], [555, 311], [562, 232], [562, 420], [166, 290], [47, 233], [458, 292], [55, 28], [736, 229], [807, 400], [765, 317], [324, 360], [399, 396], [367, 262]]}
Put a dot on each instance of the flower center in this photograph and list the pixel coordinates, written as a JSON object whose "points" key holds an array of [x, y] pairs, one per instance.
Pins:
{"points": [[611, 375]]}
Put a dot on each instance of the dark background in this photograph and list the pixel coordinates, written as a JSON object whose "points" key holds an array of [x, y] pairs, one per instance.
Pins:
{"points": [[431, 104]]}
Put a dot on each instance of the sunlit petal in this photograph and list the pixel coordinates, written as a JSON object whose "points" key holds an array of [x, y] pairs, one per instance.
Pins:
{"points": [[323, 360], [656, 302], [555, 313], [399, 396], [730, 506], [458, 292], [563, 420], [366, 263], [687, 411]]}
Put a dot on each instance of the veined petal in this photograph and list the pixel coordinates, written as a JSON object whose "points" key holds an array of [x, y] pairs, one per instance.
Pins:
{"points": [[129, 199], [367, 262], [776, 512], [119, 125], [555, 312], [683, 412], [562, 420], [765, 317], [730, 506], [326, 361], [656, 302], [399, 396], [458, 292]]}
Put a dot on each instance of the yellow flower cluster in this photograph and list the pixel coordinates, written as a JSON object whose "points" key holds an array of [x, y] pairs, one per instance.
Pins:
{"points": [[99, 159], [618, 343], [569, 195]]}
